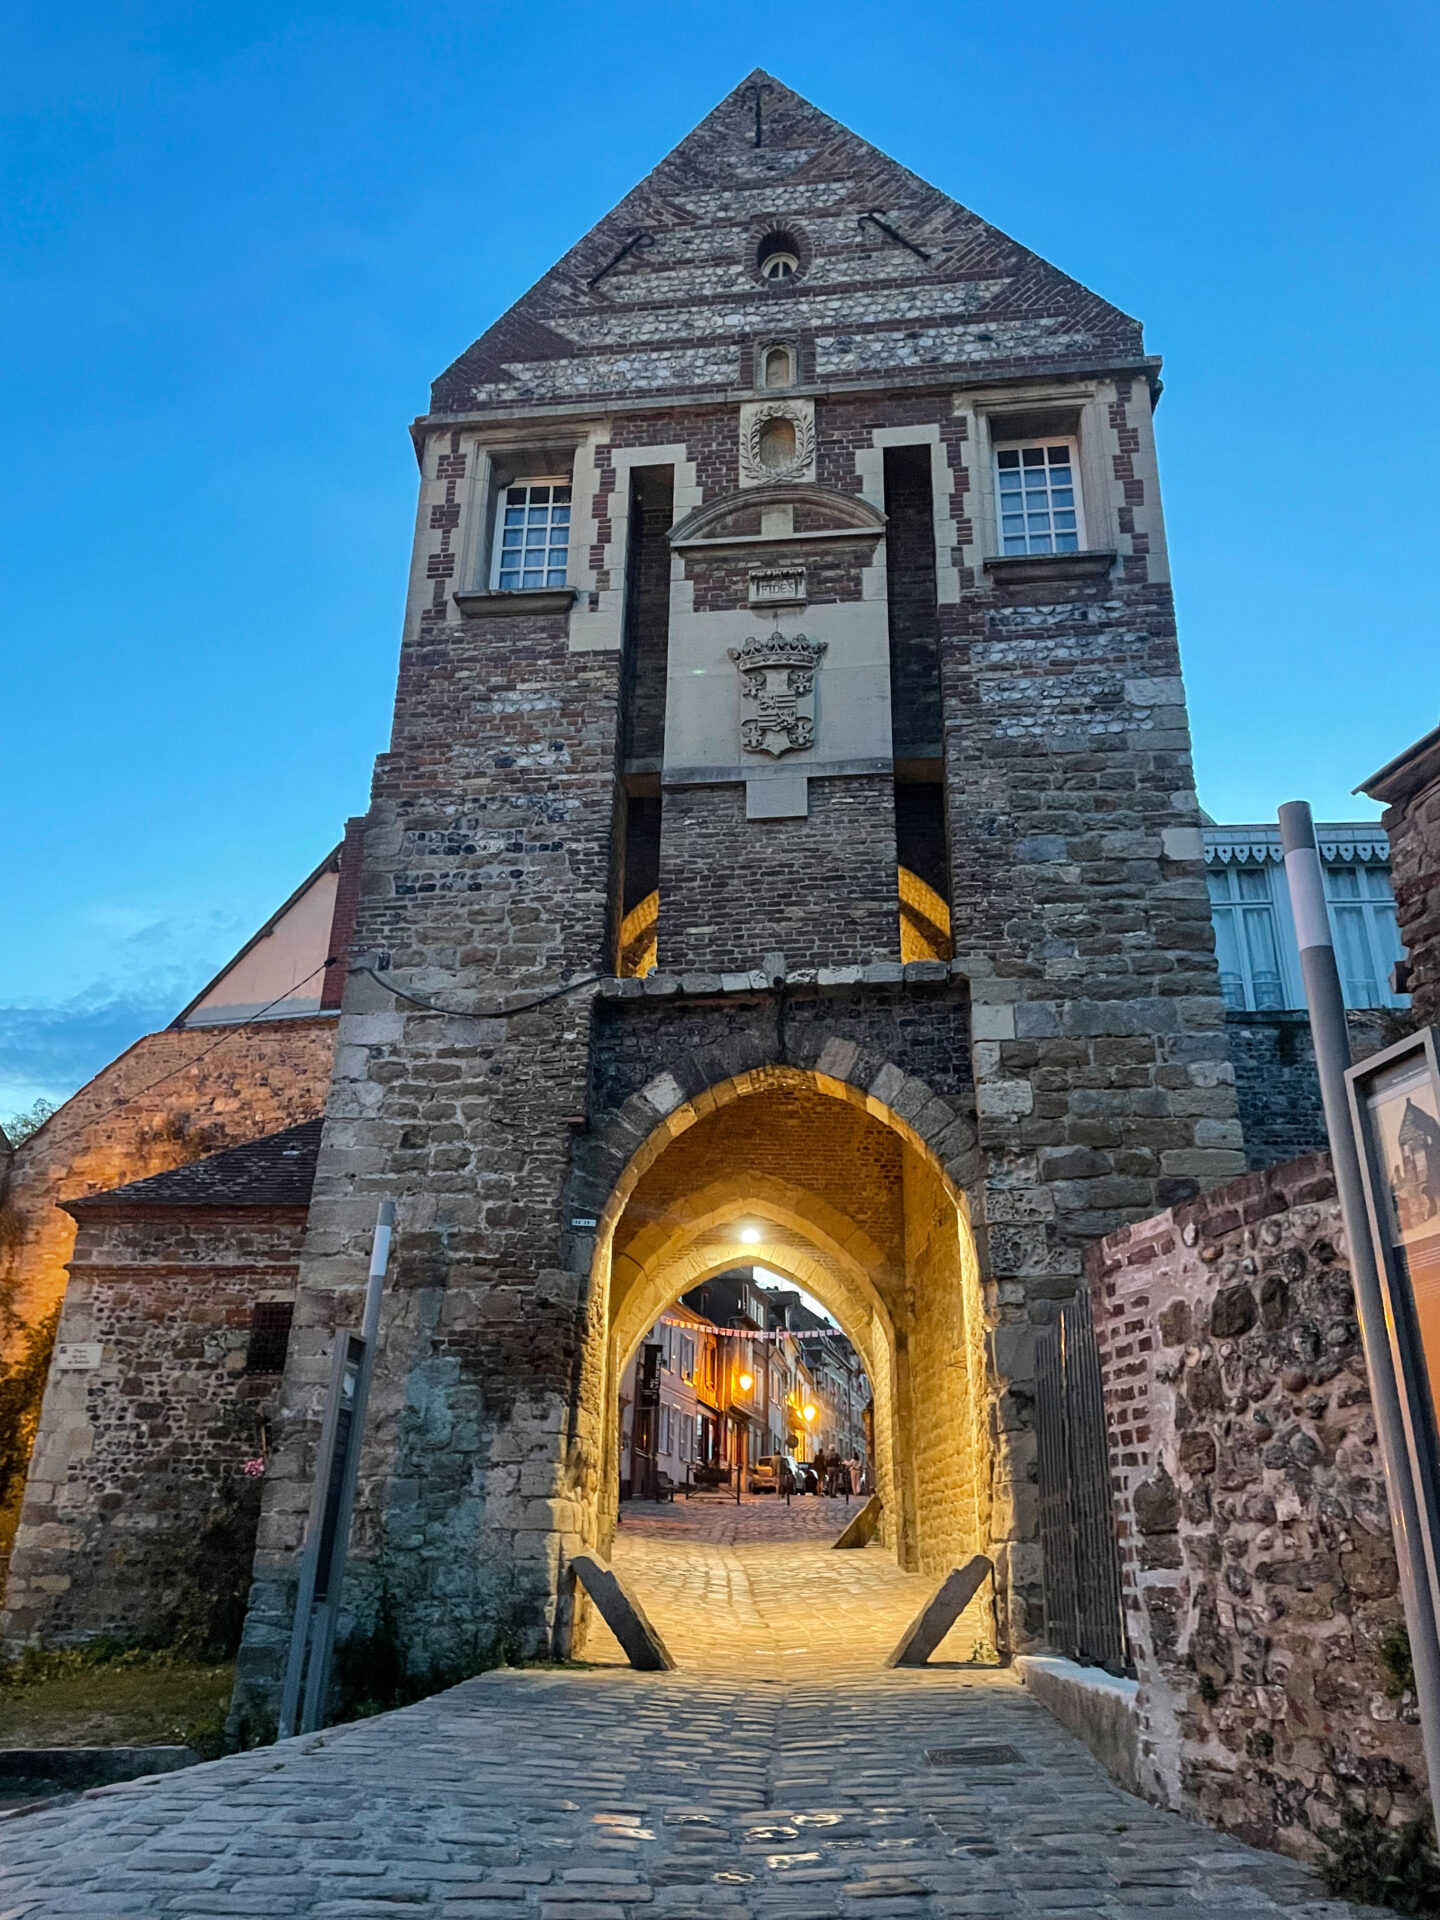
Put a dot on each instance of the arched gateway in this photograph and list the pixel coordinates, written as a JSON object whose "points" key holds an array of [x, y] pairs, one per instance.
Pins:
{"points": [[788, 815], [851, 1203]]}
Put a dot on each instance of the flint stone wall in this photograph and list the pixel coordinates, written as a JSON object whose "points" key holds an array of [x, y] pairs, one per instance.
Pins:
{"points": [[1258, 1567]]}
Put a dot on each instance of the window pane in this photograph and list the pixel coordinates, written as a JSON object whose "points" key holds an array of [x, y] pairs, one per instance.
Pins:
{"points": [[514, 516], [516, 495], [1038, 522], [1343, 883], [1260, 940], [1063, 519], [1010, 459], [1032, 456], [511, 537], [1058, 456], [1252, 883], [1014, 543], [1067, 543], [1013, 523], [559, 516], [1062, 497], [1352, 951], [532, 579], [1039, 543], [557, 494], [556, 577], [1218, 884], [539, 493], [509, 580]]}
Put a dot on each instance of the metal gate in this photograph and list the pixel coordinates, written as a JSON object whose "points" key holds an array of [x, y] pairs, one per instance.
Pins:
{"points": [[1083, 1613]]}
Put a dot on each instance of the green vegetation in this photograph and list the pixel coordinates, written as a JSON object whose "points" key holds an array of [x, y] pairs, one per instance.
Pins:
{"points": [[1382, 1866], [105, 1694], [20, 1126], [374, 1674], [1393, 1653], [22, 1387]]}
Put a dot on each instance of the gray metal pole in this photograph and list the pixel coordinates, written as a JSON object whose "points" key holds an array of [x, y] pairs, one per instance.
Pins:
{"points": [[1332, 1056], [317, 1681], [311, 1629]]}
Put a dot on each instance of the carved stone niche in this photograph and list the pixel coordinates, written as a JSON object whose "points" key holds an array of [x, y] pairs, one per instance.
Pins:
{"points": [[777, 442], [777, 586]]}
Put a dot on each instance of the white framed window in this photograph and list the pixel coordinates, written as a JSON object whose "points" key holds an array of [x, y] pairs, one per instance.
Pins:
{"points": [[1247, 938], [1037, 497], [532, 536]]}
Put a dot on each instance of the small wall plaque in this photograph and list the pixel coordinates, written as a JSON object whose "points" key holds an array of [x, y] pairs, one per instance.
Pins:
{"points": [[777, 586], [78, 1356]]}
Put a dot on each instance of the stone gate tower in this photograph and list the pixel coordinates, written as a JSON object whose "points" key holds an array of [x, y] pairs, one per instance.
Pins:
{"points": [[789, 817]]}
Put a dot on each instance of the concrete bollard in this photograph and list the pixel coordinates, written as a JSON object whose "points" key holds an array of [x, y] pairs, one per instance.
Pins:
{"points": [[940, 1612], [861, 1529], [622, 1613]]}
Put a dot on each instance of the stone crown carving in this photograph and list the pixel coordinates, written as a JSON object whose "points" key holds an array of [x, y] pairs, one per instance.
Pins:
{"points": [[778, 673]]}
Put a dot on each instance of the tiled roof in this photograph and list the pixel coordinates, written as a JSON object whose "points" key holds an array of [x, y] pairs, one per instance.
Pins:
{"points": [[277, 1171]]}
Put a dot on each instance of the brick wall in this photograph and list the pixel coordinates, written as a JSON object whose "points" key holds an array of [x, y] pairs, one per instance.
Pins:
{"points": [[1257, 1562], [139, 1519], [821, 890], [1276, 1086]]}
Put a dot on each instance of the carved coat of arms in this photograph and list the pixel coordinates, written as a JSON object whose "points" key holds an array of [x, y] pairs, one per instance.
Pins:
{"points": [[778, 675]]}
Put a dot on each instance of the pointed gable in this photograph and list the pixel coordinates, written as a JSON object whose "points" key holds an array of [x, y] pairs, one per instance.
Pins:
{"points": [[664, 296]]}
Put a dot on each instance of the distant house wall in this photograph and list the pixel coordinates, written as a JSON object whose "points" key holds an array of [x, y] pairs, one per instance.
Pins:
{"points": [[286, 963], [1255, 944], [172, 1097], [139, 1519], [1258, 1568]]}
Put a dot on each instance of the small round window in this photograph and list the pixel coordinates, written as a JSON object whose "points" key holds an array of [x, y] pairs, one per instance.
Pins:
{"points": [[778, 257]]}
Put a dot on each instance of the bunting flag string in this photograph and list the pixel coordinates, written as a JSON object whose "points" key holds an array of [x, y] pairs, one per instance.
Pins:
{"points": [[755, 1333]]}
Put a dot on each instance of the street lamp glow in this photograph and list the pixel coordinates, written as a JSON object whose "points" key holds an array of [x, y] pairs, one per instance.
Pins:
{"points": [[750, 1236], [809, 1412], [747, 1380]]}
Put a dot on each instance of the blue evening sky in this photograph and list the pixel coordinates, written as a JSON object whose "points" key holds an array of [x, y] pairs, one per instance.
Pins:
{"points": [[240, 240]]}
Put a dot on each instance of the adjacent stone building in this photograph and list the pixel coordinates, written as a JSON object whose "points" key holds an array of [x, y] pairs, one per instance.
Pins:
{"points": [[1261, 1591], [144, 1487], [788, 825], [1409, 787], [250, 1054]]}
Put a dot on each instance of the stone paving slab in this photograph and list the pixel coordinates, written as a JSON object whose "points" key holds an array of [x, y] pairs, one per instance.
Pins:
{"points": [[779, 1774], [567, 1795]]}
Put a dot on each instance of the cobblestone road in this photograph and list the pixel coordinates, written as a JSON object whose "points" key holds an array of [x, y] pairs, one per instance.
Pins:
{"points": [[794, 1786]]}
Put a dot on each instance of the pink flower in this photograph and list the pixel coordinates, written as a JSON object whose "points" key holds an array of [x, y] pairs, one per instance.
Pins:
{"points": [[252, 1469]]}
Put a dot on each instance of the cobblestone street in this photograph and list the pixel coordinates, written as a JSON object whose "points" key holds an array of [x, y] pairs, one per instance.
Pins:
{"points": [[781, 1773]]}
